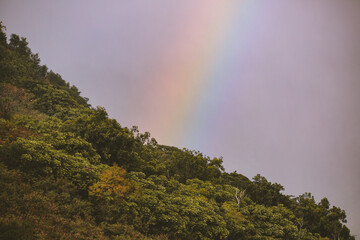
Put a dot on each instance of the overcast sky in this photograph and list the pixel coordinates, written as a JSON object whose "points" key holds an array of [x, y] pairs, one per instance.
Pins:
{"points": [[272, 86]]}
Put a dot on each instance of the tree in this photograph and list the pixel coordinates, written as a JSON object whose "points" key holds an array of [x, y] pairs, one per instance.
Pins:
{"points": [[267, 193], [239, 195], [12, 99], [112, 184], [19, 45], [3, 38]]}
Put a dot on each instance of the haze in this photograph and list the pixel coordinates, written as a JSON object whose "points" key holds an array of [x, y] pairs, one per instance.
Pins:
{"points": [[272, 86]]}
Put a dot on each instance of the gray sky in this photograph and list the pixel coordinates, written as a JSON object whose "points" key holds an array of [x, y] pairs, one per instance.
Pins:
{"points": [[272, 86]]}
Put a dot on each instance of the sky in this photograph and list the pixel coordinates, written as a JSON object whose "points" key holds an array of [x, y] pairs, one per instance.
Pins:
{"points": [[271, 86]]}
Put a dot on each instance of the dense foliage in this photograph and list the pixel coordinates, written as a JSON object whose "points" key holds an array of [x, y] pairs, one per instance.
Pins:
{"points": [[67, 171]]}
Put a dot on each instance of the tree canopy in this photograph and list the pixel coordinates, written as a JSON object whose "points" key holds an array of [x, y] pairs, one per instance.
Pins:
{"points": [[68, 171]]}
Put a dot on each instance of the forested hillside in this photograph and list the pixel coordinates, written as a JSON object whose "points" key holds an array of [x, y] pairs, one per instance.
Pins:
{"points": [[68, 171]]}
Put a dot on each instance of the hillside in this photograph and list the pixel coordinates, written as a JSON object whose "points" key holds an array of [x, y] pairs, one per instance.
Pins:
{"points": [[68, 171]]}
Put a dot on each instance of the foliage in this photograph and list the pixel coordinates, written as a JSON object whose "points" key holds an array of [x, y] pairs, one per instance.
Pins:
{"points": [[111, 184], [68, 171]]}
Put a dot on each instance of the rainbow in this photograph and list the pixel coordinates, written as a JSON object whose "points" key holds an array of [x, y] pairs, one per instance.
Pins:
{"points": [[194, 67]]}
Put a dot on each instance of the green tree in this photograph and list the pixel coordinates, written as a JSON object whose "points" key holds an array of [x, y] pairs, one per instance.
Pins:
{"points": [[267, 193]]}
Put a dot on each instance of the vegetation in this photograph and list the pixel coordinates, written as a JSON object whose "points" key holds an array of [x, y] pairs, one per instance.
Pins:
{"points": [[67, 171]]}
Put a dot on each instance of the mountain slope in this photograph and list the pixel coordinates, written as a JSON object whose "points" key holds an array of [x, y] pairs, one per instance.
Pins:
{"points": [[69, 172]]}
